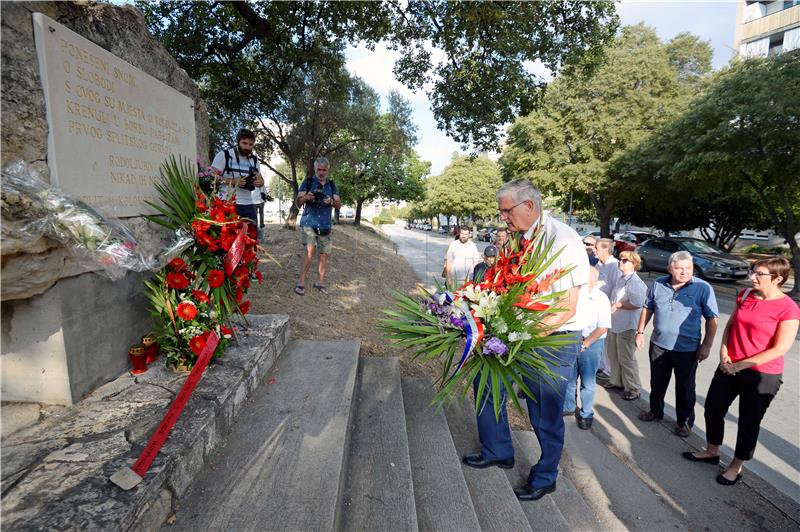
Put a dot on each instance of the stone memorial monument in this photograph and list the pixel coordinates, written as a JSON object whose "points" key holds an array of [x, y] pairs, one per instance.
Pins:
{"points": [[95, 104]]}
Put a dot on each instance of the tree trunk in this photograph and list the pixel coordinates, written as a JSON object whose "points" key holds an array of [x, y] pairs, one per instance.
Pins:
{"points": [[795, 249], [786, 227], [357, 219], [604, 210]]}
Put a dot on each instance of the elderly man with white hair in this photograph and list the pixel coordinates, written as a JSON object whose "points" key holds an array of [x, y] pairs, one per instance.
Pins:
{"points": [[677, 302]]}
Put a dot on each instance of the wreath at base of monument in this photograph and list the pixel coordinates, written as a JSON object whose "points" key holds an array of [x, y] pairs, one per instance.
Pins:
{"points": [[203, 290]]}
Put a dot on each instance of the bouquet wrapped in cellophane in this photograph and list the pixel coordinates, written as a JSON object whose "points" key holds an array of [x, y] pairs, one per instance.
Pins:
{"points": [[496, 329], [32, 208]]}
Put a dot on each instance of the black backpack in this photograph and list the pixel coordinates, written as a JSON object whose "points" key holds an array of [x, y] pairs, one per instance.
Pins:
{"points": [[310, 180], [229, 158]]}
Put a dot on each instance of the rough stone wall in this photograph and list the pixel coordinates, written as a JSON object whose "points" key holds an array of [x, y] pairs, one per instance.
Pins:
{"points": [[30, 268]]}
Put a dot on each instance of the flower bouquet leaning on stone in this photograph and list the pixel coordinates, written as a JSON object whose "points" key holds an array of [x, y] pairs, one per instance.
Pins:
{"points": [[204, 289], [32, 208], [493, 330]]}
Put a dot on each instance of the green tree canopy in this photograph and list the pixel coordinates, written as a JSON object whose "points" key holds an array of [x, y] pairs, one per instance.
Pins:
{"points": [[466, 187], [382, 164], [744, 133], [585, 123], [246, 55]]}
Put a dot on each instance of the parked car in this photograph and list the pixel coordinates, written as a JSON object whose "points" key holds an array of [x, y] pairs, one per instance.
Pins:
{"points": [[629, 240], [595, 234], [443, 230], [485, 234], [427, 227], [710, 262]]}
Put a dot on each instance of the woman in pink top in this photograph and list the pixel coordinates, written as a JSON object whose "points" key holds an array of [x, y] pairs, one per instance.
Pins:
{"points": [[758, 335]]}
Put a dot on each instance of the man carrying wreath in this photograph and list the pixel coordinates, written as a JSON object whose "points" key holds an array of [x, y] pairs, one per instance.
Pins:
{"points": [[520, 206]]}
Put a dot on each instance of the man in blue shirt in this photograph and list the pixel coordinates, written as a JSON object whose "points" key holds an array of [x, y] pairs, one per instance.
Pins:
{"points": [[319, 197], [677, 302]]}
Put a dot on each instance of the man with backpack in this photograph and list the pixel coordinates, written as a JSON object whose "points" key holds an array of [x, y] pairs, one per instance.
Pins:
{"points": [[238, 168], [319, 196]]}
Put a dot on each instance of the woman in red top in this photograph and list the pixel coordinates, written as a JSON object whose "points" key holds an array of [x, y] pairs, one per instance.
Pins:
{"points": [[760, 331]]}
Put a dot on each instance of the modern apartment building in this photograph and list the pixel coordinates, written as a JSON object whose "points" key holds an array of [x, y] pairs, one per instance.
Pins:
{"points": [[767, 27]]}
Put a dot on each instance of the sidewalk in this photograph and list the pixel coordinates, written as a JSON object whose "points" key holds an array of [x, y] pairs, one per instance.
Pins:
{"points": [[688, 489]]}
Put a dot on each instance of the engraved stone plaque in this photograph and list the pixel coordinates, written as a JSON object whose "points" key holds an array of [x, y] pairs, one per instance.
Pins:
{"points": [[111, 125]]}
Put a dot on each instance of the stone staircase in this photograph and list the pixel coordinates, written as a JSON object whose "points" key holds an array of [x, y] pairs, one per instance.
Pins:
{"points": [[342, 442]]}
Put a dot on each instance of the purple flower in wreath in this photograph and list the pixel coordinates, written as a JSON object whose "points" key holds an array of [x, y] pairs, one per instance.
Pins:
{"points": [[494, 346], [456, 322]]}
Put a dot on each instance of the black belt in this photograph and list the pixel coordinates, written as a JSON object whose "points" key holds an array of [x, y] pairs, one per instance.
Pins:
{"points": [[563, 332]]}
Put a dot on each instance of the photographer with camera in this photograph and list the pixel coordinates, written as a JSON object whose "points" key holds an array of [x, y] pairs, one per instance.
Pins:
{"points": [[319, 196], [238, 168]]}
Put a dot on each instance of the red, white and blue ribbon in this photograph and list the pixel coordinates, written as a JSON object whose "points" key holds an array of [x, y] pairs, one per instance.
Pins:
{"points": [[472, 327]]}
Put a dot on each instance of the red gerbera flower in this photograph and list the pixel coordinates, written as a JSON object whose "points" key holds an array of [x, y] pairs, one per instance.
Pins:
{"points": [[227, 332], [177, 264], [197, 343], [240, 271], [259, 277], [216, 278], [186, 310], [200, 296], [177, 280], [244, 307]]}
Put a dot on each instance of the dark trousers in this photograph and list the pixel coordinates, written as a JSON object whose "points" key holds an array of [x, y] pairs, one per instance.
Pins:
{"points": [[260, 209], [755, 390], [546, 415], [662, 363]]}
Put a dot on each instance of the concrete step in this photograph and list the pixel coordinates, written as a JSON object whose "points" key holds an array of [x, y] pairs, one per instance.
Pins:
{"points": [[619, 498], [544, 513], [492, 495], [379, 494], [577, 513], [283, 465], [441, 495]]}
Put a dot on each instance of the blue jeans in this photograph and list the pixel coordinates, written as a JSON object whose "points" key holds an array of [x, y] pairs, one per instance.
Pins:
{"points": [[545, 415], [586, 367]]}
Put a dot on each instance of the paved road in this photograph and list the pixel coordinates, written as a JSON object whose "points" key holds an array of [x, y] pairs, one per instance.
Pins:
{"points": [[777, 458]]}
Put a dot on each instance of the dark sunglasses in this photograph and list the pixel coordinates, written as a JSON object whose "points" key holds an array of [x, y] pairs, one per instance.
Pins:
{"points": [[624, 261], [588, 244]]}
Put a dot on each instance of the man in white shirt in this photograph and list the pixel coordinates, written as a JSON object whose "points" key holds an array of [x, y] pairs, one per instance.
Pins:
{"points": [[594, 315], [239, 169], [520, 206], [608, 267], [461, 258]]}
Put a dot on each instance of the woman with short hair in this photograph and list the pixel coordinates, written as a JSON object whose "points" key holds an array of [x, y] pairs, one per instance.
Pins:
{"points": [[627, 300], [758, 335]]}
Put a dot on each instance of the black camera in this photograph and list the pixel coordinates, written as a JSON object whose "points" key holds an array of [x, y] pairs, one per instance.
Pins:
{"points": [[319, 195], [250, 180]]}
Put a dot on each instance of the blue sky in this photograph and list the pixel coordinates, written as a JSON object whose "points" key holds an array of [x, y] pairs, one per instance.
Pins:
{"points": [[711, 21]]}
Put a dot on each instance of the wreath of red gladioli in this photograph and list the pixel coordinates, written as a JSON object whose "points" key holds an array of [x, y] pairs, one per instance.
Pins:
{"points": [[216, 278], [186, 310]]}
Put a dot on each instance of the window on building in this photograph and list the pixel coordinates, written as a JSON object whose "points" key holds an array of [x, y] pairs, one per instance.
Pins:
{"points": [[776, 43]]}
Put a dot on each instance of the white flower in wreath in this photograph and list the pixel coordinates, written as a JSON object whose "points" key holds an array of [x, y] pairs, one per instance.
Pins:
{"points": [[472, 293], [487, 305], [519, 337], [499, 325]]}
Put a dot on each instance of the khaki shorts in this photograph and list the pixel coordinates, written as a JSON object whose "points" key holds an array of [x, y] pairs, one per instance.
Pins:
{"points": [[308, 237]]}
